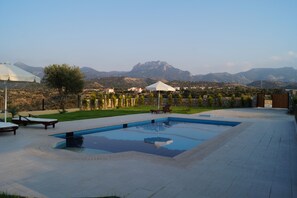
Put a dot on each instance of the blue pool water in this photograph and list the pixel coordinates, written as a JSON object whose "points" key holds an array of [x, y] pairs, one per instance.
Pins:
{"points": [[166, 137]]}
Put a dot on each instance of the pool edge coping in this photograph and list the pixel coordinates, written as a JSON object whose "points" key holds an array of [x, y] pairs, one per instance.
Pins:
{"points": [[198, 153]]}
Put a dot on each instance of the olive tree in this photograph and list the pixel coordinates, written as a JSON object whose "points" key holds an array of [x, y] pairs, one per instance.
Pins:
{"points": [[66, 79]]}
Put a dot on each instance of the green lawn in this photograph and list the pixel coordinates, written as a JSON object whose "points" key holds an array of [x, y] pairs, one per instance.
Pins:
{"points": [[79, 115]]}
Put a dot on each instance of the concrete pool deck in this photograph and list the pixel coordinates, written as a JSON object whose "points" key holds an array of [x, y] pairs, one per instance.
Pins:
{"points": [[255, 159]]}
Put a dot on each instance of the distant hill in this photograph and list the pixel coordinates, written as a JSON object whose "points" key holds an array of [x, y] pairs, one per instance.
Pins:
{"points": [[91, 73], [122, 82], [221, 77], [160, 70], [273, 84], [38, 71], [284, 74]]}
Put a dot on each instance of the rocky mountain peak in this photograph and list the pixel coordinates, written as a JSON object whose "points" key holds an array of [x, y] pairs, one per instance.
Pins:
{"points": [[152, 65], [159, 70]]}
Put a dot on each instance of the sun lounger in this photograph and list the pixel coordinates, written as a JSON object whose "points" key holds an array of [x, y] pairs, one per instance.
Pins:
{"points": [[165, 109], [8, 127], [156, 111], [24, 120]]}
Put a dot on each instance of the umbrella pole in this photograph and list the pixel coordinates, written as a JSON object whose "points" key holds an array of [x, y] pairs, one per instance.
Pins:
{"points": [[159, 101], [5, 103]]}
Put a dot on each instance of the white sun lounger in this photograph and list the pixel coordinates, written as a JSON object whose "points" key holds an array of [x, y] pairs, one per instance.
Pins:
{"points": [[24, 120], [8, 127]]}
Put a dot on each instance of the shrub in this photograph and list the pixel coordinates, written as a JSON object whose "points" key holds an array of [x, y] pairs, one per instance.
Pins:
{"points": [[151, 98], [190, 100], [246, 101], [200, 100], [210, 101], [114, 100], [232, 102], [220, 99], [84, 103], [120, 101], [92, 102], [141, 100], [13, 110], [179, 99], [170, 99]]}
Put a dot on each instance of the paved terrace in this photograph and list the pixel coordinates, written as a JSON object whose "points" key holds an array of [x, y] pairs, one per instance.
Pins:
{"points": [[257, 158]]}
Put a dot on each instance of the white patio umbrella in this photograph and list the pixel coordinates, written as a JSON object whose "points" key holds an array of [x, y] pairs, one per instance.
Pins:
{"points": [[12, 73], [159, 86]]}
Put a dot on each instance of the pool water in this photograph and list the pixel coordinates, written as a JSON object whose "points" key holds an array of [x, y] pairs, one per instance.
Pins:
{"points": [[165, 138]]}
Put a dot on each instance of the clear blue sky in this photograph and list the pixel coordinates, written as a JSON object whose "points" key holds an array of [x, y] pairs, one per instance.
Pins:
{"points": [[200, 36]]}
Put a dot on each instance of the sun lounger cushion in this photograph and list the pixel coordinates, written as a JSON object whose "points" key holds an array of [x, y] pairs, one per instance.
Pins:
{"points": [[32, 120]]}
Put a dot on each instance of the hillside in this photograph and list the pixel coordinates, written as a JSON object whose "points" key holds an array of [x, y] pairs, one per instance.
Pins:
{"points": [[221, 77], [38, 71], [284, 74], [160, 70], [273, 85], [120, 82]]}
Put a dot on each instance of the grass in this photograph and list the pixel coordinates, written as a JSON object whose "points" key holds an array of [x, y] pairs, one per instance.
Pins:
{"points": [[80, 115]]}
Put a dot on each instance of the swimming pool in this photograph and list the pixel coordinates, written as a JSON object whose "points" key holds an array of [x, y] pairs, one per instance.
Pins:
{"points": [[165, 137]]}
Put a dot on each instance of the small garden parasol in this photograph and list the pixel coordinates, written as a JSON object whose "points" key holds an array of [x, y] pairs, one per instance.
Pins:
{"points": [[159, 86]]}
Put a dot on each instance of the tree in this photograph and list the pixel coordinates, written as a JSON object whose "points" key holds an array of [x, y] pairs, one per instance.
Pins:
{"points": [[210, 101], [232, 102], [170, 99], [220, 102], [66, 79], [151, 98], [120, 101], [200, 101], [179, 99], [114, 100], [190, 100], [93, 101], [141, 100]]}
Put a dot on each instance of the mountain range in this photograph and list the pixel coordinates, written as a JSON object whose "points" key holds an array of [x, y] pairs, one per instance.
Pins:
{"points": [[160, 70]]}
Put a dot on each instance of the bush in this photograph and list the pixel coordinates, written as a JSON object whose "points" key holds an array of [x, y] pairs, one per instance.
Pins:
{"points": [[13, 110], [246, 101], [170, 99], [179, 99], [210, 101], [200, 101], [84, 103], [220, 103], [141, 100], [190, 100], [232, 102], [114, 100], [151, 99]]}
